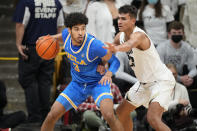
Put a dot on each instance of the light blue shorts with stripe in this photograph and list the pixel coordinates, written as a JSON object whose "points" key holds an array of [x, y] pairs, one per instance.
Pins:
{"points": [[76, 93]]}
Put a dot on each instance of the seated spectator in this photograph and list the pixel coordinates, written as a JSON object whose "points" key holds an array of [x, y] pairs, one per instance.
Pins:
{"points": [[173, 4], [8, 120], [179, 53], [180, 94], [124, 77], [155, 17], [70, 6], [103, 23], [92, 115], [180, 113], [189, 21]]}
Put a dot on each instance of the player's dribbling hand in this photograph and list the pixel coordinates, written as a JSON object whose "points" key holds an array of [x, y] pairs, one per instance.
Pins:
{"points": [[41, 37], [106, 78], [110, 47]]}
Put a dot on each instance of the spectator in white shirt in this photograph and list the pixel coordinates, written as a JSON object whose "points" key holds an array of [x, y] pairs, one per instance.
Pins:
{"points": [[155, 17]]}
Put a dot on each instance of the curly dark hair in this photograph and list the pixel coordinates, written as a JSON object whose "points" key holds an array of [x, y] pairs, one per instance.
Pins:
{"points": [[75, 18], [132, 10]]}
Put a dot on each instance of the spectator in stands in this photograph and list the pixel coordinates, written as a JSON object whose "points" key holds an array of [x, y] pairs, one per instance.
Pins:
{"points": [[155, 17], [180, 113], [172, 4], [92, 115], [103, 16], [70, 6], [124, 77], [8, 120], [180, 94], [179, 53], [189, 21], [36, 18]]}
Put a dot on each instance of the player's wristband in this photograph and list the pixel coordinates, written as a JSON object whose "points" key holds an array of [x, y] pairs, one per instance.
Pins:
{"points": [[114, 64]]}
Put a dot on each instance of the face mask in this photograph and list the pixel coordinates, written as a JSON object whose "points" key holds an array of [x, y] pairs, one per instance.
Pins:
{"points": [[176, 38], [153, 2]]}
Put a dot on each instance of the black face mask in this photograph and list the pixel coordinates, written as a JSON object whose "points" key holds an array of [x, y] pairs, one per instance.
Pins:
{"points": [[176, 38]]}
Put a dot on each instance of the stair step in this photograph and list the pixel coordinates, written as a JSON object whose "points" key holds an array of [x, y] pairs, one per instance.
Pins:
{"points": [[8, 69], [6, 2], [5, 53], [6, 62], [7, 35], [13, 107], [13, 86], [8, 46], [7, 32], [8, 42], [8, 76], [7, 24], [6, 10]]}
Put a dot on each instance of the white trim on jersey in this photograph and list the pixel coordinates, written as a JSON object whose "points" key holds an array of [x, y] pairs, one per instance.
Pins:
{"points": [[26, 16], [60, 19]]}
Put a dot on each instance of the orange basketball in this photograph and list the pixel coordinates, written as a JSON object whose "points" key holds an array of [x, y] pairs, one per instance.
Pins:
{"points": [[47, 47]]}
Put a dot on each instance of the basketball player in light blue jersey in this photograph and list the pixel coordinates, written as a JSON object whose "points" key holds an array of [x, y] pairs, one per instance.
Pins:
{"points": [[85, 53]]}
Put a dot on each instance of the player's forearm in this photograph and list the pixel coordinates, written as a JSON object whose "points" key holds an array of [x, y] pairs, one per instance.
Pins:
{"points": [[125, 47], [20, 29]]}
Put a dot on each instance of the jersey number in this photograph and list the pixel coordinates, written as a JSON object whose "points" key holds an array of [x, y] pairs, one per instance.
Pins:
{"points": [[76, 67], [131, 59]]}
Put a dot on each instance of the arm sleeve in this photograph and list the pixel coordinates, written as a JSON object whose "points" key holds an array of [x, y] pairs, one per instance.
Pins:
{"points": [[60, 19], [65, 34], [114, 64]]}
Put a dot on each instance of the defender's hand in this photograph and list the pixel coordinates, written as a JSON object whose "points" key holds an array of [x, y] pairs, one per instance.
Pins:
{"points": [[110, 47]]}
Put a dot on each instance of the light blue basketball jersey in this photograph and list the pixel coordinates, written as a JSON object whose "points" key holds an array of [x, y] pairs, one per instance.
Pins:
{"points": [[83, 69]]}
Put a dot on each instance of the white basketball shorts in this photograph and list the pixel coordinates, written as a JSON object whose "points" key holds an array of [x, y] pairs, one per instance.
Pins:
{"points": [[143, 94]]}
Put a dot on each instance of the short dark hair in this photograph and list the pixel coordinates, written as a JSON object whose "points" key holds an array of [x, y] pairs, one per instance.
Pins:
{"points": [[75, 18], [175, 25], [132, 10]]}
